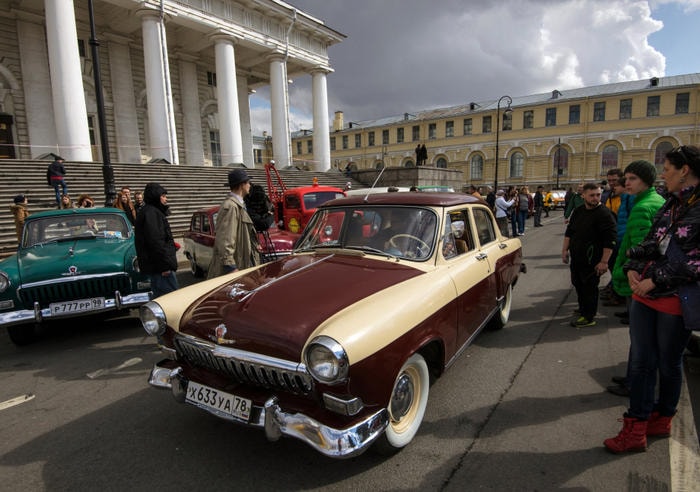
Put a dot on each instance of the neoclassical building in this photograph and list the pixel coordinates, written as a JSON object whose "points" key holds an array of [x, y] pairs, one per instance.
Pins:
{"points": [[175, 75], [556, 139]]}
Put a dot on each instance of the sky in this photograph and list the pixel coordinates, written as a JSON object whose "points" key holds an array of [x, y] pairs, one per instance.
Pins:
{"points": [[411, 55]]}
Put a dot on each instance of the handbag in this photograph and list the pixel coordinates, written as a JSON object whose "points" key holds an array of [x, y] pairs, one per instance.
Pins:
{"points": [[688, 293]]}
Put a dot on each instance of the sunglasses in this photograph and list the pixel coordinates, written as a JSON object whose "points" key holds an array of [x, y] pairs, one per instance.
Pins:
{"points": [[686, 153]]}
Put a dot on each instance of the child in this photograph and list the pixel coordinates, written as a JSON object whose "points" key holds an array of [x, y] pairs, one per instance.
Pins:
{"points": [[19, 210]]}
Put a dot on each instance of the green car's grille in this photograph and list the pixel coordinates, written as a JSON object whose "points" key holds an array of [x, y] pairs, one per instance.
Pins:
{"points": [[73, 288]]}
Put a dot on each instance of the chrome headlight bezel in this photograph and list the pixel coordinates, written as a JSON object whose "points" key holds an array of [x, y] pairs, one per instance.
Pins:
{"points": [[4, 281], [152, 318], [326, 360]]}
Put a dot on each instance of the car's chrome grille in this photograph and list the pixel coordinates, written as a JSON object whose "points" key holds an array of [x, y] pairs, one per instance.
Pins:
{"points": [[246, 367], [74, 288]]}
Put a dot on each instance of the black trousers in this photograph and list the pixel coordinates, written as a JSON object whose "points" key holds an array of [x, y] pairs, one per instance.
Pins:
{"points": [[585, 280]]}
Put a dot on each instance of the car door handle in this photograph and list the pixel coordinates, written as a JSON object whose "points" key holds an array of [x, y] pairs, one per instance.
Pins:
{"points": [[482, 256], [502, 245]]}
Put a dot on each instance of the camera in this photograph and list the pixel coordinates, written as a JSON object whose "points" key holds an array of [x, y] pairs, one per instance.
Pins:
{"points": [[646, 250]]}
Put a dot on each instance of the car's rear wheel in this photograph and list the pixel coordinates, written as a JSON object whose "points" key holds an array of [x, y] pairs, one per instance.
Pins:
{"points": [[501, 317], [194, 268], [409, 398], [24, 334]]}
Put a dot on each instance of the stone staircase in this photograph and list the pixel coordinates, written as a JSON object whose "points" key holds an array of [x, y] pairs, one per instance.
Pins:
{"points": [[189, 187]]}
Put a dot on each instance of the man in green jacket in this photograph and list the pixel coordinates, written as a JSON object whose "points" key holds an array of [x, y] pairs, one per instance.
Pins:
{"points": [[639, 181]]}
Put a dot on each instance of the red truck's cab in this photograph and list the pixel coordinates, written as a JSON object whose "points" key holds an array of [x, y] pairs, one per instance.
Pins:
{"points": [[299, 204]]}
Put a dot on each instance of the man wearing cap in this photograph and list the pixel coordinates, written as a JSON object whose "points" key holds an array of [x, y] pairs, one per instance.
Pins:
{"points": [[20, 212], [235, 246], [155, 246], [502, 206]]}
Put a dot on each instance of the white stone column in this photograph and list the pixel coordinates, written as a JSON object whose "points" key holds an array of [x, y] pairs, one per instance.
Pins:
{"points": [[246, 127], [279, 104], [69, 107], [191, 118], [126, 123], [321, 137], [37, 88], [227, 98], [161, 117]]}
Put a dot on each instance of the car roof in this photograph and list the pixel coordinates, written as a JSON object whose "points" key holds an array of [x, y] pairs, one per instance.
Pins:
{"points": [[411, 198], [75, 211], [207, 210]]}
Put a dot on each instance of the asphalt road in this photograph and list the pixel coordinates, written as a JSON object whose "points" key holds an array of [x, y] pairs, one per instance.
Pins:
{"points": [[524, 408]]}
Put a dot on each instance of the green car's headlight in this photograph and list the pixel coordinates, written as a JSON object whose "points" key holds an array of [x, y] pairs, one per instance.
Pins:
{"points": [[4, 281], [326, 360], [152, 318]]}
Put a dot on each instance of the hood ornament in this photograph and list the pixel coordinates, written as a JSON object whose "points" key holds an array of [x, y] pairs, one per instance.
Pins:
{"points": [[238, 290], [72, 270], [218, 335]]}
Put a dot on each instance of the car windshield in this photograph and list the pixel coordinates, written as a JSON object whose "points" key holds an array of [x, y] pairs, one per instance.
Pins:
{"points": [[78, 226], [403, 232], [317, 198]]}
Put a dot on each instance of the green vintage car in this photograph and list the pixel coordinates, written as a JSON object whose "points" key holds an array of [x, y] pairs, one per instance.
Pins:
{"points": [[69, 263]]}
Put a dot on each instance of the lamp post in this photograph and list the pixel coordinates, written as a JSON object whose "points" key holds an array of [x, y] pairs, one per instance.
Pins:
{"points": [[558, 161], [508, 110]]}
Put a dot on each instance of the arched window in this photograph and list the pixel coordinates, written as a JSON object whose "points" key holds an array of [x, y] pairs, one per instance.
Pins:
{"points": [[660, 155], [609, 158], [409, 163], [476, 167], [379, 165], [517, 162], [352, 166], [441, 163], [560, 161]]}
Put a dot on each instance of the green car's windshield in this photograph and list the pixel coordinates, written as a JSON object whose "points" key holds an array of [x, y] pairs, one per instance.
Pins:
{"points": [[74, 227]]}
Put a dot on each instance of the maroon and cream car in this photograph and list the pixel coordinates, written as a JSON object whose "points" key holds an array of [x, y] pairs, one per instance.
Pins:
{"points": [[336, 343]]}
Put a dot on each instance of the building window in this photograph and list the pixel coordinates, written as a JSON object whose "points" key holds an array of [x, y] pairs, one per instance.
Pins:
{"points": [[449, 129], [441, 163], [599, 111], [298, 147], [653, 103], [211, 79], [332, 143], [257, 156], [399, 136], [432, 131], [476, 167], [91, 130], [385, 136], [416, 133], [550, 117], [560, 161], [370, 139], [358, 140], [682, 102], [609, 158], [467, 126], [517, 161], [528, 119], [574, 114], [345, 142], [486, 124], [81, 48], [215, 146], [507, 121], [626, 109], [310, 146], [660, 155]]}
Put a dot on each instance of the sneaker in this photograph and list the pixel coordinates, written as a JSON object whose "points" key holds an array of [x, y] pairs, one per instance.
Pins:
{"points": [[582, 322], [521, 234]]}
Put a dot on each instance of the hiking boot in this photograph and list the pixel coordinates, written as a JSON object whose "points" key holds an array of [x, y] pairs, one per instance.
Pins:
{"points": [[632, 437], [619, 390], [582, 322], [659, 425]]}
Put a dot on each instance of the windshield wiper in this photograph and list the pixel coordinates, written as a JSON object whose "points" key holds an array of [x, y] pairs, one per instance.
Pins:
{"points": [[372, 250], [317, 246]]}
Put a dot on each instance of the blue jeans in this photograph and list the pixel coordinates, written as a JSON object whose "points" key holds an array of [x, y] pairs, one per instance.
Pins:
{"points": [[56, 185], [657, 344], [514, 221], [161, 285], [522, 217]]}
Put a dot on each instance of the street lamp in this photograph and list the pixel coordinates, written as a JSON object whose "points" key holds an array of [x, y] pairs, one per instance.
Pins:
{"points": [[508, 110], [558, 161]]}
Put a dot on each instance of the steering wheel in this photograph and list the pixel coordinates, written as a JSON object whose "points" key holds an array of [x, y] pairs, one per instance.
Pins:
{"points": [[423, 247]]}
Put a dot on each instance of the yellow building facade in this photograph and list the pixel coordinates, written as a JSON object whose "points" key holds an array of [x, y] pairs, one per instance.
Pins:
{"points": [[555, 139]]}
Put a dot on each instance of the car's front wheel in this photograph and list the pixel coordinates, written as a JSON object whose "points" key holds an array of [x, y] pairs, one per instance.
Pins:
{"points": [[24, 334], [409, 398], [501, 317]]}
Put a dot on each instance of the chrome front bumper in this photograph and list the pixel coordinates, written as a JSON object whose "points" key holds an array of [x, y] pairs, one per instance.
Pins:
{"points": [[334, 443], [37, 315]]}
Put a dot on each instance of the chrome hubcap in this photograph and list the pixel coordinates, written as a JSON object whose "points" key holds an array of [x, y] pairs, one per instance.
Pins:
{"points": [[402, 397]]}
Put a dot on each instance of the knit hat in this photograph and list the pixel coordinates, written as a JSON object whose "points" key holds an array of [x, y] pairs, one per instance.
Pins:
{"points": [[645, 170], [19, 199]]}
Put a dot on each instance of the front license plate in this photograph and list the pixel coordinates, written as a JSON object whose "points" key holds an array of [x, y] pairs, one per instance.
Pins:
{"points": [[77, 306], [219, 401]]}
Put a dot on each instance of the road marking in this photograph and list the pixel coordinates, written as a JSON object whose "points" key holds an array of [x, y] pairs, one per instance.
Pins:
{"points": [[110, 370], [16, 401], [684, 449]]}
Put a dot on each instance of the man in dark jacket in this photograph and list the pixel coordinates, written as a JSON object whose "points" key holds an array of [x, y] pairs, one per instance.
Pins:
{"points": [[155, 246], [56, 177]]}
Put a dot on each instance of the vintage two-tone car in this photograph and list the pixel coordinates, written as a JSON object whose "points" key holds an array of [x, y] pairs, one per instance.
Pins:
{"points": [[337, 343], [69, 263]]}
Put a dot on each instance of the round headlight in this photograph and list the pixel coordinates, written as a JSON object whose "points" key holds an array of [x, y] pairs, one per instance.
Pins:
{"points": [[4, 282], [152, 318], [326, 360]]}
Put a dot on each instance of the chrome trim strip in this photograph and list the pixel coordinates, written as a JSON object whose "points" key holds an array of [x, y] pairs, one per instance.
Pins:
{"points": [[37, 315], [74, 278]]}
